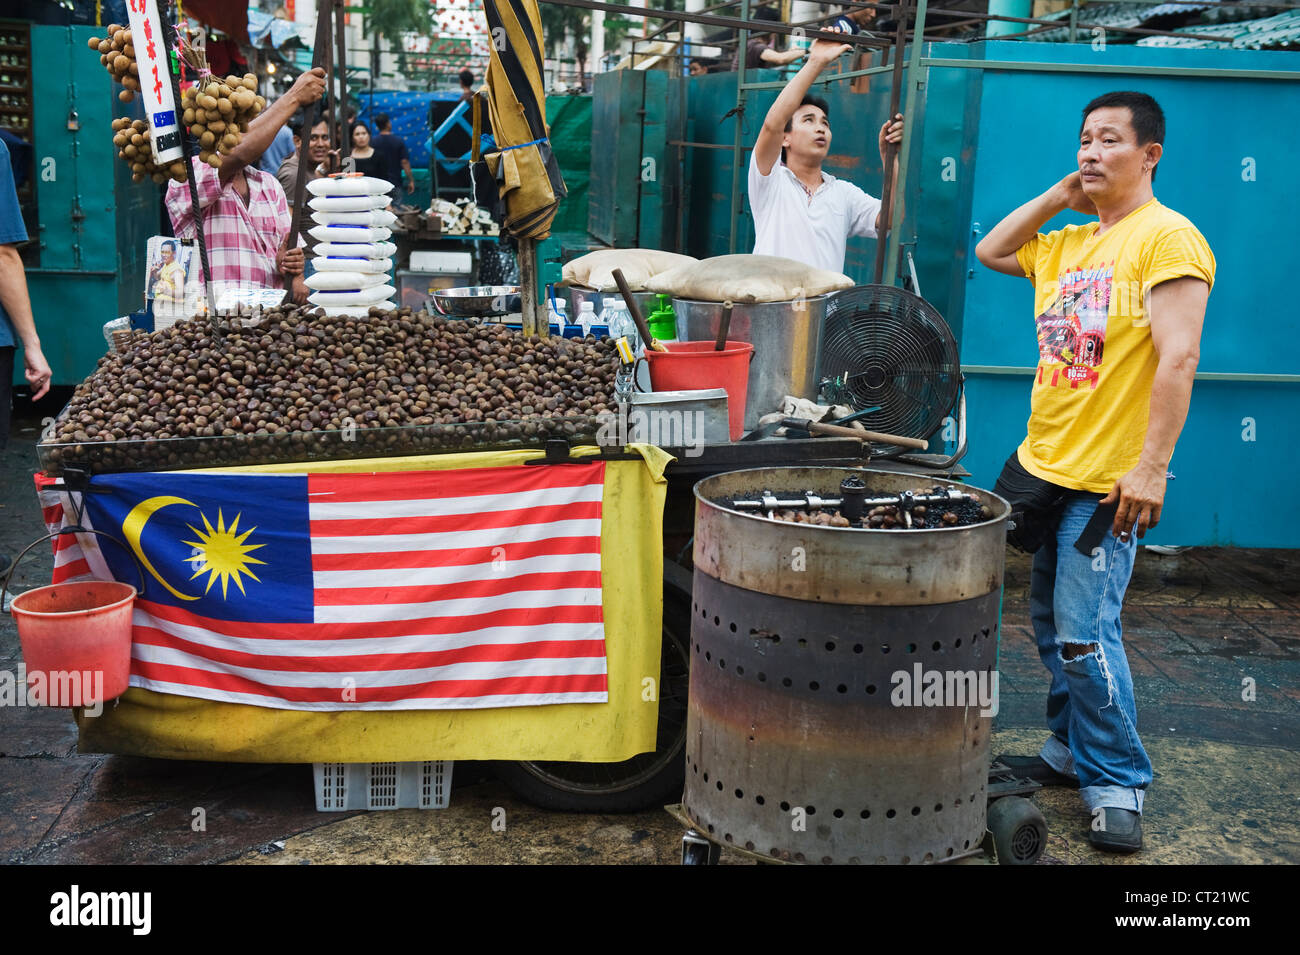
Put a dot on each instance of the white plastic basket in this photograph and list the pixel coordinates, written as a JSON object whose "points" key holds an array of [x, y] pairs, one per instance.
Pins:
{"points": [[343, 787]]}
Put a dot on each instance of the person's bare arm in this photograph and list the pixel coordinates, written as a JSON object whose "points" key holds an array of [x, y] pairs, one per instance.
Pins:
{"points": [[1177, 312], [306, 89], [774, 58], [18, 305], [767, 150], [997, 250], [410, 177]]}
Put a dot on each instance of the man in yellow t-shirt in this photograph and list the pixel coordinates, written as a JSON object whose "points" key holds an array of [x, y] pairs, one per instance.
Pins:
{"points": [[1119, 303]]}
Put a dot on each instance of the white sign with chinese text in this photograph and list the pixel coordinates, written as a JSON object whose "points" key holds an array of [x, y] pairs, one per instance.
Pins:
{"points": [[155, 83]]}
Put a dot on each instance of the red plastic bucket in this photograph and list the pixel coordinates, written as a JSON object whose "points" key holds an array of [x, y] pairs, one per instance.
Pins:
{"points": [[78, 636], [688, 366]]}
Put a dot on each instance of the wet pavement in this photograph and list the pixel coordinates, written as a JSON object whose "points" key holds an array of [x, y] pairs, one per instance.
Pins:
{"points": [[1213, 638]]}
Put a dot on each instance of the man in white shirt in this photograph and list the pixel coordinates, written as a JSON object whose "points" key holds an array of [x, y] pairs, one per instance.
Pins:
{"points": [[799, 211]]}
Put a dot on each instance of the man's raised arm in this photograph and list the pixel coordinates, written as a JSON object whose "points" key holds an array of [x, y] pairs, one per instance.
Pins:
{"points": [[306, 89], [997, 250], [767, 150]]}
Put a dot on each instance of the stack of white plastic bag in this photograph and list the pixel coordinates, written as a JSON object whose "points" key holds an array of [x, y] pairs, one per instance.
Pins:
{"points": [[352, 258]]}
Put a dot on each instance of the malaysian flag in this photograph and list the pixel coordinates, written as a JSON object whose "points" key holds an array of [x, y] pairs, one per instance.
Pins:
{"points": [[400, 590]]}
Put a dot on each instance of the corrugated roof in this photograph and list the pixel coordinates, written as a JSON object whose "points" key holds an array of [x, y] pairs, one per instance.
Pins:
{"points": [[1172, 9], [1280, 32], [1104, 15]]}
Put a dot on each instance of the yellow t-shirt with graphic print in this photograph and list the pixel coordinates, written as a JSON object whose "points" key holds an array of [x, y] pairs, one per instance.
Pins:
{"points": [[1096, 361]]}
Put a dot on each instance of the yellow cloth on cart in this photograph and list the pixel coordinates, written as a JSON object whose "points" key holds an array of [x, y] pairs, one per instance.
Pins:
{"points": [[146, 723]]}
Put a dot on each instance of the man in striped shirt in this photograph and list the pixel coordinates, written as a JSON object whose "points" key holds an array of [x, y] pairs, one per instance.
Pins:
{"points": [[245, 213]]}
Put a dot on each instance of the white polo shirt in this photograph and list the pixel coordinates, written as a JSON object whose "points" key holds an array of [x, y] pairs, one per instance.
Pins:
{"points": [[813, 230]]}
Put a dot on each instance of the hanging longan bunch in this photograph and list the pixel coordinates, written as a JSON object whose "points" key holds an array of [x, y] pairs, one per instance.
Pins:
{"points": [[217, 113], [117, 53], [131, 137]]}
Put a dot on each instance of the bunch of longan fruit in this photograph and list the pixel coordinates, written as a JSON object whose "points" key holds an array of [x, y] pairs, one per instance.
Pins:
{"points": [[131, 137], [217, 114], [215, 111], [117, 53]]}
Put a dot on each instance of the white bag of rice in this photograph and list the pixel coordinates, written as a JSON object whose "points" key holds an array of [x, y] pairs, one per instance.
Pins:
{"points": [[343, 281], [596, 269], [349, 186], [356, 250], [371, 217], [747, 278], [365, 296], [347, 203], [348, 233], [345, 264]]}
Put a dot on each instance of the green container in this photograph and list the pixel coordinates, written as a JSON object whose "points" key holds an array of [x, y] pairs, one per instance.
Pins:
{"points": [[663, 320]]}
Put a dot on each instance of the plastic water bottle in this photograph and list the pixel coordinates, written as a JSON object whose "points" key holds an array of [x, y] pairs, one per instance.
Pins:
{"points": [[555, 315], [619, 320], [586, 316]]}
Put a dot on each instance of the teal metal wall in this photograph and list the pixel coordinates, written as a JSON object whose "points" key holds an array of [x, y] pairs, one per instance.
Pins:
{"points": [[985, 140], [94, 221], [633, 181]]}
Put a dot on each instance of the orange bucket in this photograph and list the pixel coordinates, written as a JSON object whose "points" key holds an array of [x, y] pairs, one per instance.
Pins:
{"points": [[78, 635], [689, 366]]}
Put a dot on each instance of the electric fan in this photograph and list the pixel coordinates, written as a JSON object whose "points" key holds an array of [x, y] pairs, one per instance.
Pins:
{"points": [[885, 348]]}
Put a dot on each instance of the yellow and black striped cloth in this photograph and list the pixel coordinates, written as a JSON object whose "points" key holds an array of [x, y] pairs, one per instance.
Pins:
{"points": [[524, 170]]}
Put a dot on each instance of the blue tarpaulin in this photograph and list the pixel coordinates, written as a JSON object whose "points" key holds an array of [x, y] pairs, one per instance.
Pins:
{"points": [[263, 26], [409, 113]]}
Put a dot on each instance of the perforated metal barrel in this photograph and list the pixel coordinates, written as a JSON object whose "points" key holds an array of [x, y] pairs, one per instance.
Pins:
{"points": [[804, 744]]}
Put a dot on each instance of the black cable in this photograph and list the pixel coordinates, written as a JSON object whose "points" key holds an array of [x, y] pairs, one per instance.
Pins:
{"points": [[172, 22]]}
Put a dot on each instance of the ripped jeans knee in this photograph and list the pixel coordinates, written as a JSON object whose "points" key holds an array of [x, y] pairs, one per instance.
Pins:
{"points": [[1086, 659], [1073, 650]]}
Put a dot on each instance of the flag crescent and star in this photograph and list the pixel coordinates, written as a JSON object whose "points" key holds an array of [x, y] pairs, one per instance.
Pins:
{"points": [[214, 544]]}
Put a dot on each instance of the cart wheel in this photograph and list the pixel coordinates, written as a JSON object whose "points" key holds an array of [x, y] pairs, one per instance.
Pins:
{"points": [[696, 850], [1019, 830], [650, 779]]}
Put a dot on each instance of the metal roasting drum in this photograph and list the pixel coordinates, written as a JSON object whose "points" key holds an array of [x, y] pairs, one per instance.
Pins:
{"points": [[795, 751]]}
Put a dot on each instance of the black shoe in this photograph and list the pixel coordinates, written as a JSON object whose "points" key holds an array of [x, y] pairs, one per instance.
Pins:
{"points": [[1036, 768], [1116, 830]]}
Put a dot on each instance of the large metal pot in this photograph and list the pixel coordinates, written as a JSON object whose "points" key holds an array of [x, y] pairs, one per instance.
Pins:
{"points": [[785, 335], [801, 742]]}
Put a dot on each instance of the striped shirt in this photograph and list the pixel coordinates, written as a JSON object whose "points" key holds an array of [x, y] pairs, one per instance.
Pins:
{"points": [[243, 238]]}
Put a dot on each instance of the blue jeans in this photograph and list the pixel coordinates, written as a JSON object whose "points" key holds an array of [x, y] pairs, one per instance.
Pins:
{"points": [[1090, 707]]}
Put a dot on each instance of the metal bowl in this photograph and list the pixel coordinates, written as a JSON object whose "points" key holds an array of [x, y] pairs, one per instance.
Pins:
{"points": [[477, 300]]}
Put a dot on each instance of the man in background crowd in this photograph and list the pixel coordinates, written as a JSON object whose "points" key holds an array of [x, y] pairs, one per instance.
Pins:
{"points": [[466, 86], [318, 154], [761, 52], [394, 159]]}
